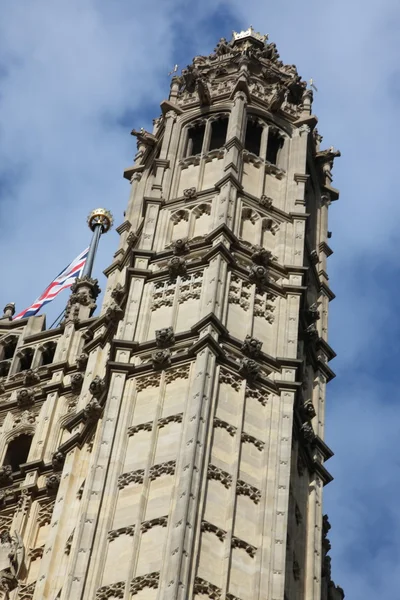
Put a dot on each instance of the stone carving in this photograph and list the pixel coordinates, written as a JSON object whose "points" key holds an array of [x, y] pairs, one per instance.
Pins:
{"points": [[219, 475], [230, 379], [165, 337], [261, 396], [131, 477], [53, 482], [6, 475], [35, 553], [308, 433], [145, 581], [311, 333], [190, 193], [92, 411], [247, 438], [144, 137], [190, 287], [245, 489], [2, 387], [25, 397], [180, 246], [314, 259], [26, 592], [141, 427], [152, 380], [97, 387], [115, 533], [264, 307], [258, 275], [118, 293], [222, 47], [58, 460], [251, 346], [170, 419], [115, 590], [161, 358], [82, 360], [312, 313], [261, 256], [176, 266], [163, 294], [207, 589], [266, 202], [224, 425], [238, 543], [113, 314], [26, 418], [45, 512], [249, 369], [309, 410], [209, 527], [157, 522], [31, 377], [178, 373], [166, 468], [132, 239], [76, 382]]}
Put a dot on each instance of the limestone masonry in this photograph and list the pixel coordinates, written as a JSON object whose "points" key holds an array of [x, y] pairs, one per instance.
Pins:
{"points": [[172, 448]]}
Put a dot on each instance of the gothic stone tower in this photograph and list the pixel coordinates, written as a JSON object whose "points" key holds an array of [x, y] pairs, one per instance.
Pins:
{"points": [[172, 447]]}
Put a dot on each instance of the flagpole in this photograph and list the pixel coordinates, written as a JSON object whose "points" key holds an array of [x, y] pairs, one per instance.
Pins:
{"points": [[99, 221]]}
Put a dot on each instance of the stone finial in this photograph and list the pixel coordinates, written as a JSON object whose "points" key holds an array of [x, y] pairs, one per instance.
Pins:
{"points": [[165, 337], [9, 311]]}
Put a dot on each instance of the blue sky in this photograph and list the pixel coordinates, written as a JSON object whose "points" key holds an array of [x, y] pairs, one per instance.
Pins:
{"points": [[76, 77]]}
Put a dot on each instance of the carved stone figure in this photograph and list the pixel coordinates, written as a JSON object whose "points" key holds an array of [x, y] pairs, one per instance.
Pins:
{"points": [[161, 358], [58, 460], [180, 246], [261, 256], [25, 397], [249, 369], [76, 382], [190, 193], [308, 433], [31, 377], [176, 266], [92, 411], [309, 410], [251, 346], [97, 386], [113, 314], [258, 275], [165, 337], [53, 482], [5, 475]]}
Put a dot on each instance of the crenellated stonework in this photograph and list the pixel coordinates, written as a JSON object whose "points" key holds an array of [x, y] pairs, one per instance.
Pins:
{"points": [[172, 447]]}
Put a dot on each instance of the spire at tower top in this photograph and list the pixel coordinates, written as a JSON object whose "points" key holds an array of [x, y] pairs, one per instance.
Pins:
{"points": [[249, 33]]}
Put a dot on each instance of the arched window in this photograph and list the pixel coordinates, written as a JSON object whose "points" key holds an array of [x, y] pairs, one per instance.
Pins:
{"points": [[18, 451], [274, 145], [252, 141], [47, 351], [219, 129], [25, 359], [195, 139], [9, 345]]}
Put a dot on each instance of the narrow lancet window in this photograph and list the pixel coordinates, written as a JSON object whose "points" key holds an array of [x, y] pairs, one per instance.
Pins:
{"points": [[253, 137], [18, 452], [219, 130], [195, 140], [274, 145]]}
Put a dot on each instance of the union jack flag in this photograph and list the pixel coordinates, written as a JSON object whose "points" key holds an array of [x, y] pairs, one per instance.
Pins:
{"points": [[63, 280]]}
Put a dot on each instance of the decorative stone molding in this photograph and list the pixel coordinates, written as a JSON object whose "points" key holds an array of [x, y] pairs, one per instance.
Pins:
{"points": [[209, 527], [180, 246], [131, 477], [58, 460], [115, 533], [249, 369], [161, 358], [190, 193], [35, 553], [219, 475], [6, 475], [157, 522], [143, 383], [201, 586], [26, 592], [178, 373], [165, 468], [25, 419], [261, 256], [53, 483], [176, 266], [82, 360], [251, 346], [68, 543], [25, 397], [165, 337], [260, 395], [230, 379], [150, 580], [141, 427], [115, 590], [92, 411], [258, 276], [264, 307], [224, 425], [45, 512], [76, 382], [97, 387], [190, 288], [238, 543], [245, 489], [170, 419], [247, 438]]}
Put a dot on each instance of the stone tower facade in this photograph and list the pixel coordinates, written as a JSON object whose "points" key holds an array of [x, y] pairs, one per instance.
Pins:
{"points": [[172, 448]]}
